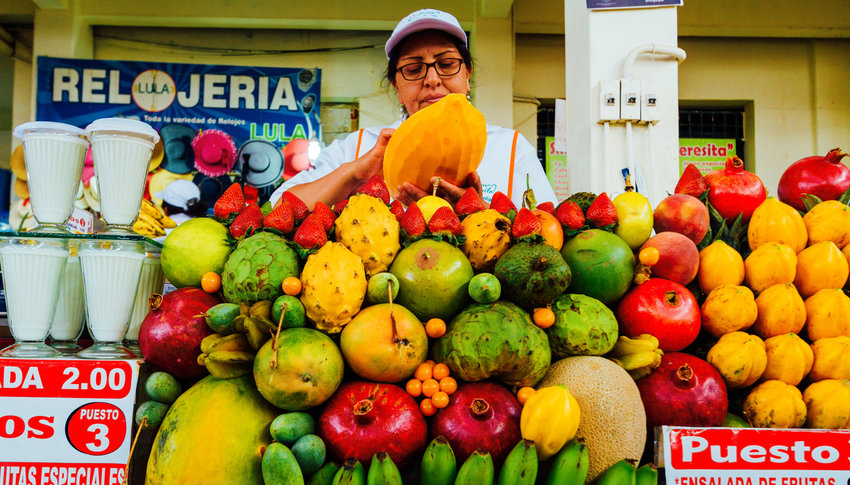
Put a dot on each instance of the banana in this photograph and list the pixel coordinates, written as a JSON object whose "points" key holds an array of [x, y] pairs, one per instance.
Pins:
{"points": [[146, 229], [647, 475], [620, 473], [570, 465], [478, 469], [439, 465], [152, 209], [325, 475], [168, 222], [626, 345], [351, 473], [520, 467], [149, 219], [383, 471]]}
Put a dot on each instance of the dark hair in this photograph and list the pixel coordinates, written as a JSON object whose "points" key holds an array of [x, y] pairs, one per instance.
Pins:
{"points": [[392, 62], [195, 208]]}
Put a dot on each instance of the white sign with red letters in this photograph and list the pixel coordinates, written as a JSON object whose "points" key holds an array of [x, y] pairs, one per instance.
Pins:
{"points": [[66, 421], [750, 456]]}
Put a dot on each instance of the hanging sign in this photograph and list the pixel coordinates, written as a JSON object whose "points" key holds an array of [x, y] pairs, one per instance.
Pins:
{"points": [[612, 4], [706, 154]]}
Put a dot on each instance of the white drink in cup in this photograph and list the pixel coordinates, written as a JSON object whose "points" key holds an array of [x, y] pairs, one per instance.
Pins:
{"points": [[151, 280], [54, 154], [121, 150], [70, 308]]}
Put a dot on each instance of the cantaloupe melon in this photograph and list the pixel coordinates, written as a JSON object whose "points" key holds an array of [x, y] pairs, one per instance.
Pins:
{"points": [[613, 420]]}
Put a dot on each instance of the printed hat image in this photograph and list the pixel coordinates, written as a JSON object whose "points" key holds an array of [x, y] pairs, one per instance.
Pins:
{"points": [[179, 193], [215, 152], [88, 168], [160, 180], [427, 18], [211, 188], [18, 165], [156, 156], [177, 140], [295, 157], [262, 163]]}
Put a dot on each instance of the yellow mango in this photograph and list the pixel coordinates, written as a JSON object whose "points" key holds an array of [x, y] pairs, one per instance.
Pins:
{"points": [[789, 359], [781, 310], [775, 221], [770, 264], [740, 358], [827, 314], [728, 308], [719, 264], [828, 404], [820, 266], [828, 221], [775, 404], [830, 358]]}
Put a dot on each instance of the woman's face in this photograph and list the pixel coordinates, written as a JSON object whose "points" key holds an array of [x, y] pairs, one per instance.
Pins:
{"points": [[428, 46]]}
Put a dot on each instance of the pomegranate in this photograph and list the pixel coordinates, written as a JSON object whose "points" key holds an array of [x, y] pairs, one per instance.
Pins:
{"points": [[170, 335], [683, 391], [662, 308], [733, 190], [481, 415], [363, 418], [825, 177]]}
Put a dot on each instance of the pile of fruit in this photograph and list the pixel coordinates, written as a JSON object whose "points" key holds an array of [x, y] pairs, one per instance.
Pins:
{"points": [[370, 342]]}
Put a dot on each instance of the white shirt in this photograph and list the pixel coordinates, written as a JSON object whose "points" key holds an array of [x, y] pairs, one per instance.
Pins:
{"points": [[493, 169]]}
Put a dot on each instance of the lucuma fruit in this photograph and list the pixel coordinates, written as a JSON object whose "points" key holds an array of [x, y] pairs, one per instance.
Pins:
{"points": [[257, 267], [583, 326], [496, 340], [532, 275]]}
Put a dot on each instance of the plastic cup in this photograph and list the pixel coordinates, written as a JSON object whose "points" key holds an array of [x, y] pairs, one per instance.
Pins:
{"points": [[70, 312], [151, 280]]}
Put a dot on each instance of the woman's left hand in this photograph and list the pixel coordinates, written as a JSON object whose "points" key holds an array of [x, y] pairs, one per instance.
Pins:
{"points": [[410, 193]]}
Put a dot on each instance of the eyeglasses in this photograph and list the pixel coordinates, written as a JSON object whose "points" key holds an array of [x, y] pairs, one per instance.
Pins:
{"points": [[418, 70]]}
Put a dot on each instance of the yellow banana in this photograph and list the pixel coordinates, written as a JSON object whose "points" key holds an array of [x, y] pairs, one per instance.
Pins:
{"points": [[168, 222], [150, 208], [149, 219], [626, 345]]}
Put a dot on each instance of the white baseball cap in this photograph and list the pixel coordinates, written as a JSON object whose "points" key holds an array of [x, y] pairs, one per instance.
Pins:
{"points": [[425, 19], [179, 192]]}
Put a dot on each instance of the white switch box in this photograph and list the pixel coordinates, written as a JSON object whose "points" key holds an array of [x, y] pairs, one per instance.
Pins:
{"points": [[609, 101], [630, 100], [649, 104]]}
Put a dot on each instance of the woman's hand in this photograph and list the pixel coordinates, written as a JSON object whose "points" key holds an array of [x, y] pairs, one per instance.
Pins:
{"points": [[372, 162], [411, 193]]}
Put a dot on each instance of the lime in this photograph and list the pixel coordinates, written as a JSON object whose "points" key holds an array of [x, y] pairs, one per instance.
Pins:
{"points": [[153, 411], [485, 288], [192, 249]]}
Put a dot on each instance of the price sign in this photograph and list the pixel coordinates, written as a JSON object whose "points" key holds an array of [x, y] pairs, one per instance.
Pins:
{"points": [[66, 421]]}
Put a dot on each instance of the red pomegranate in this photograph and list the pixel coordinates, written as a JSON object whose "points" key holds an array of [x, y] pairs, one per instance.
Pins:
{"points": [[480, 415], [662, 308], [170, 336], [363, 418], [825, 177], [683, 391], [734, 191]]}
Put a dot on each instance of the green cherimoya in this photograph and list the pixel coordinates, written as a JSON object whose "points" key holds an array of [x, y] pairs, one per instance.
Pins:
{"points": [[583, 326], [496, 340], [257, 267]]}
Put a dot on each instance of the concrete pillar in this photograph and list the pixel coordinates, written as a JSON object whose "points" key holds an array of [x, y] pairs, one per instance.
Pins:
{"points": [[492, 45]]}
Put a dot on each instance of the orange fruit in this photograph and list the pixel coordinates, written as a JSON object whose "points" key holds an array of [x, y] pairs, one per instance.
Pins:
{"points": [[550, 229], [430, 387], [448, 385], [544, 317], [211, 282], [424, 371], [440, 371], [524, 393], [414, 387], [435, 328], [291, 285], [440, 399], [427, 408]]}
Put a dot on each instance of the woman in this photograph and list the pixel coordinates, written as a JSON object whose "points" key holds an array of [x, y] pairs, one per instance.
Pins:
{"points": [[428, 58]]}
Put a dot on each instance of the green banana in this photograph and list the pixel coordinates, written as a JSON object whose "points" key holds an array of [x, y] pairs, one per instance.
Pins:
{"points": [[478, 469], [570, 465], [351, 473], [520, 467], [383, 471], [620, 473], [439, 465], [325, 475], [647, 475]]}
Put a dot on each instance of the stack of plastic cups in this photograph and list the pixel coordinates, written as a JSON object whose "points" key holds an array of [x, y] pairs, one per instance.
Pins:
{"points": [[70, 309], [151, 282]]}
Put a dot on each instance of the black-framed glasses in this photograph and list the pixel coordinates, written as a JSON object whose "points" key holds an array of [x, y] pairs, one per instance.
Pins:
{"points": [[418, 70]]}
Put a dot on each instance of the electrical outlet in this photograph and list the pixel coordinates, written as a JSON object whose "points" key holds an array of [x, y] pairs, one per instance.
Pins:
{"points": [[649, 106], [609, 101], [630, 100]]}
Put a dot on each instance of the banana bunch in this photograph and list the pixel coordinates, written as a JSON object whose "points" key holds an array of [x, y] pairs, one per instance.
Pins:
{"points": [[478, 469], [383, 471], [520, 466], [227, 356], [637, 355], [570, 465], [621, 473], [152, 221], [439, 465]]}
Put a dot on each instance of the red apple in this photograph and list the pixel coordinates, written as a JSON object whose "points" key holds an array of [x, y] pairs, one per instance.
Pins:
{"points": [[661, 308], [678, 257], [684, 214]]}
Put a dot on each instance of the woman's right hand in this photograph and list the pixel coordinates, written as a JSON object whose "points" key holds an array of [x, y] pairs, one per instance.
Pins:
{"points": [[372, 162]]}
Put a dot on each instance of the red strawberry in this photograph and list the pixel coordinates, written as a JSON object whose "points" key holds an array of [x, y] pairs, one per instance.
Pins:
{"points": [[602, 212], [376, 187], [691, 182], [469, 202], [311, 233], [501, 203], [525, 224], [444, 221], [325, 214], [547, 207], [397, 208], [280, 218], [569, 214], [232, 201], [247, 222], [412, 222], [339, 206], [299, 208]]}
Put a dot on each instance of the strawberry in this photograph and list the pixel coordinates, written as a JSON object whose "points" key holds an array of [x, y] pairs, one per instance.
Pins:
{"points": [[325, 214], [376, 187], [501, 203], [299, 208], [602, 212], [469, 202], [691, 182], [570, 216], [397, 208], [311, 233], [339, 206], [247, 222], [547, 207], [280, 218], [444, 221], [232, 201], [412, 222], [525, 224]]}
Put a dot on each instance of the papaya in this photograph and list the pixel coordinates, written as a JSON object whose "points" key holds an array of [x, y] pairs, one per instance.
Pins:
{"points": [[214, 433]]}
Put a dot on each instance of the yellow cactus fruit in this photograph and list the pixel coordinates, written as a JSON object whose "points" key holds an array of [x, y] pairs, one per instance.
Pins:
{"points": [[831, 360], [770, 264], [334, 286], [828, 404], [775, 221], [775, 404], [781, 310], [820, 266], [719, 264], [550, 418], [739, 357], [729, 308], [789, 359], [487, 237], [827, 314], [828, 221]]}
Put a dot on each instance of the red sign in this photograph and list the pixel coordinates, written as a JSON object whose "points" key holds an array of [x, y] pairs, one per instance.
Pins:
{"points": [[84, 379]]}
